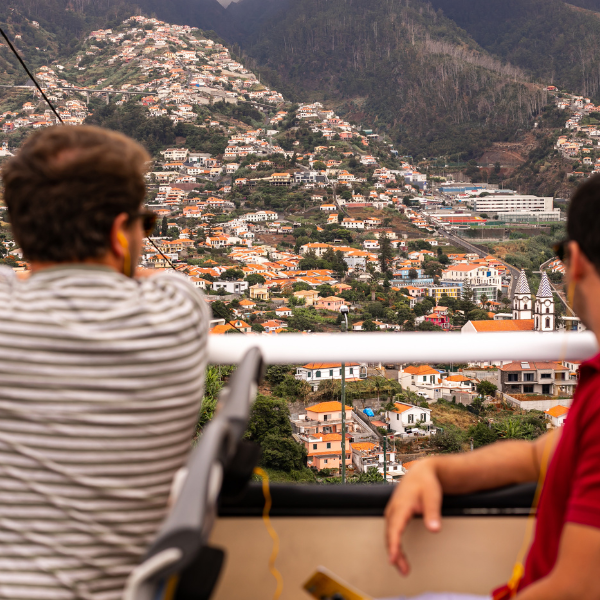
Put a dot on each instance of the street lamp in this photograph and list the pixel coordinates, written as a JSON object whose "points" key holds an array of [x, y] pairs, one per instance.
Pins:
{"points": [[344, 311]]}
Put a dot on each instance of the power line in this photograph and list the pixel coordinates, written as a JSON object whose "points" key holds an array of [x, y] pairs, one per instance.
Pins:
{"points": [[37, 85], [59, 118]]}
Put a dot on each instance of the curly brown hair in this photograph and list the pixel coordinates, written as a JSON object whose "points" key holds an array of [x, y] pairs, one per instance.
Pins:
{"points": [[66, 186]]}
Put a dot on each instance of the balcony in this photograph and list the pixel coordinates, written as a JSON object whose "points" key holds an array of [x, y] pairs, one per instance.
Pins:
{"points": [[341, 527]]}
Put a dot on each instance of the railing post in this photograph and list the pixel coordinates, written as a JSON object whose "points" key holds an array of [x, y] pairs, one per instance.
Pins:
{"points": [[343, 422], [344, 311]]}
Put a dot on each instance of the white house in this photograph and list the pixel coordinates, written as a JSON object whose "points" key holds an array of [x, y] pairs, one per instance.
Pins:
{"points": [[557, 415], [407, 419], [314, 373]]}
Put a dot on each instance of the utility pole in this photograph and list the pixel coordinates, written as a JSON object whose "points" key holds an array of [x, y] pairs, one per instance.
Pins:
{"points": [[344, 311], [385, 458]]}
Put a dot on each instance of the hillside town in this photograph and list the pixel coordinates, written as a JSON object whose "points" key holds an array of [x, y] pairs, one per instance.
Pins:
{"points": [[286, 214]]}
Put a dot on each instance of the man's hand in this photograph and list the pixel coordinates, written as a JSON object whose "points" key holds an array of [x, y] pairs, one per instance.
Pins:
{"points": [[419, 493]]}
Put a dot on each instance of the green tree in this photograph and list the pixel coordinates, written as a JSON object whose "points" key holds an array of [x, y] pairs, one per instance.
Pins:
{"points": [[447, 441], [368, 325], [487, 388], [371, 476], [232, 274], [515, 429], [413, 274], [482, 435], [292, 388], [255, 279], [277, 373], [478, 314], [214, 381], [221, 311], [268, 416], [282, 453], [164, 227], [385, 253]]}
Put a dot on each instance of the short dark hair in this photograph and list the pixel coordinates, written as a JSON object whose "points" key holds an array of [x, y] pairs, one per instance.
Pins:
{"points": [[66, 186], [583, 222]]}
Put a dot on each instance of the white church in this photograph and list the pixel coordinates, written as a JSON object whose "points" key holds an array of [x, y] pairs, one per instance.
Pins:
{"points": [[541, 311], [527, 314]]}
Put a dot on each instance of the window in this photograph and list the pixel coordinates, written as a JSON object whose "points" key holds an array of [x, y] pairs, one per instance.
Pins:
{"points": [[397, 416], [547, 322], [411, 418], [351, 370], [314, 446], [328, 445], [325, 418], [330, 372], [424, 417], [546, 376], [546, 388], [318, 374], [528, 389], [325, 461], [513, 377], [528, 377]]}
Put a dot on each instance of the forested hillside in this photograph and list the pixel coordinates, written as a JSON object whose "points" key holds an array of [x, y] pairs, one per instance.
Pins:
{"points": [[551, 40], [70, 20], [399, 67]]}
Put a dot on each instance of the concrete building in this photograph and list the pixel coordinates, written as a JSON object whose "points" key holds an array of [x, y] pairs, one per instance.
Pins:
{"points": [[499, 204], [545, 378]]}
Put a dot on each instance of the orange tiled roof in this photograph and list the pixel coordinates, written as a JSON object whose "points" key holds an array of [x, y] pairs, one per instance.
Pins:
{"points": [[493, 326], [457, 378], [324, 407], [364, 446], [557, 411], [421, 370]]}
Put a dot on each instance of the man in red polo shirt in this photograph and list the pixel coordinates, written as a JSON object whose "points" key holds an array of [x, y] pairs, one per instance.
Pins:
{"points": [[564, 558]]}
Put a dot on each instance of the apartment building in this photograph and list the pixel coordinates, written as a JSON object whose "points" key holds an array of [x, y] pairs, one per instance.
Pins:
{"points": [[546, 378]]}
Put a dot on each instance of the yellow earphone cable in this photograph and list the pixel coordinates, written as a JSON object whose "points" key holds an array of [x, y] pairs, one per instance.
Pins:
{"points": [[519, 568], [267, 521], [126, 254]]}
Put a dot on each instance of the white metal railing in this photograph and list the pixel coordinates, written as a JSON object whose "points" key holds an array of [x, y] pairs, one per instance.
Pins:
{"points": [[421, 347]]}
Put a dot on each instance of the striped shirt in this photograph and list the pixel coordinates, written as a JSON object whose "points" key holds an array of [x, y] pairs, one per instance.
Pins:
{"points": [[101, 379]]}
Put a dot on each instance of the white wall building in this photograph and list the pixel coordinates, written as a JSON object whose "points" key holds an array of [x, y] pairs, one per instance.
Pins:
{"points": [[407, 419], [513, 203]]}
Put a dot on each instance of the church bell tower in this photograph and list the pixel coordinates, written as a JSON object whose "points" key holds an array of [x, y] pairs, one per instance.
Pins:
{"points": [[522, 304], [545, 318]]}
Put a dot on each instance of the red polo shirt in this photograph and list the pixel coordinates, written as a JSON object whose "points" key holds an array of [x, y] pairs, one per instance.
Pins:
{"points": [[571, 492]]}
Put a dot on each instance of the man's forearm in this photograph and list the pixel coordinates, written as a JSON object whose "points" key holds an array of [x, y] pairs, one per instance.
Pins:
{"points": [[502, 463]]}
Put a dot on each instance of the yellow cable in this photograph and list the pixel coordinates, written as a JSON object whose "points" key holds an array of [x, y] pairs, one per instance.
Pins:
{"points": [[267, 494], [170, 587], [519, 568]]}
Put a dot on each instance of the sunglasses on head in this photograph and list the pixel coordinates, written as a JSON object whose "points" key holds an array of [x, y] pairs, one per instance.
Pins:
{"points": [[560, 249], [148, 218]]}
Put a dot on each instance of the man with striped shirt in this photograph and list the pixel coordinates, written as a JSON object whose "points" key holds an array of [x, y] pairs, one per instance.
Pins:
{"points": [[101, 373]]}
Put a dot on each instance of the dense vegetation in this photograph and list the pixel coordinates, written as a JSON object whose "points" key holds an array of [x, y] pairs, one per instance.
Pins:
{"points": [[548, 38], [401, 68]]}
